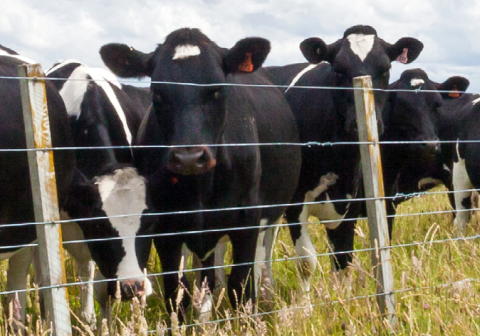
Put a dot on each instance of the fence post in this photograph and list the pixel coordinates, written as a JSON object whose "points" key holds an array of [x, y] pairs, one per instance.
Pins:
{"points": [[45, 200], [373, 183]]}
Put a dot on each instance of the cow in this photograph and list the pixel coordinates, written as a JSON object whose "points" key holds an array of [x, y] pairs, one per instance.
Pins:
{"points": [[414, 113], [202, 172], [106, 115], [332, 173], [16, 204], [458, 128]]}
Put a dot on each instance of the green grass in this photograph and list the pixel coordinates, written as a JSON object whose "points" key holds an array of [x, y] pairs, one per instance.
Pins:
{"points": [[436, 283]]}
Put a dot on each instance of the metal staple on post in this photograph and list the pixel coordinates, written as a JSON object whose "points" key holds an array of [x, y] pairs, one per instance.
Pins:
{"points": [[45, 200], [373, 182]]}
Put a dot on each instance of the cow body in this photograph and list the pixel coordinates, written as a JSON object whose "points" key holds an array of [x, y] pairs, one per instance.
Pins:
{"points": [[333, 173], [199, 176]]}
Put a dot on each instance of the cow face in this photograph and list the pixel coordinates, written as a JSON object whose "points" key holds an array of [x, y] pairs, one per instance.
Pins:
{"points": [[191, 116], [120, 196], [360, 53]]}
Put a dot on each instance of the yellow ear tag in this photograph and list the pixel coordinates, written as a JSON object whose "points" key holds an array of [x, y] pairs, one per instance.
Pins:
{"points": [[247, 65]]}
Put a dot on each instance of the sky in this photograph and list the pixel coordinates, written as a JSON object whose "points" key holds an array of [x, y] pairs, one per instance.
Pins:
{"points": [[49, 31]]}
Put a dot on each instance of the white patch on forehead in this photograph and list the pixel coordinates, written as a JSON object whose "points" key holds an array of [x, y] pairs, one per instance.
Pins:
{"points": [[185, 51], [476, 101], [18, 57], [416, 82], [300, 74], [124, 193], [361, 44], [73, 91]]}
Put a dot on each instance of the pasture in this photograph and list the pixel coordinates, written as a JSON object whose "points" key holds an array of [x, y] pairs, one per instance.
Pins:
{"points": [[436, 284]]}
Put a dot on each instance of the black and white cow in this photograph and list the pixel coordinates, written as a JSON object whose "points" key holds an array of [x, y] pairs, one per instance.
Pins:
{"points": [[16, 204], [413, 113], [332, 172], [459, 123], [202, 175], [103, 115]]}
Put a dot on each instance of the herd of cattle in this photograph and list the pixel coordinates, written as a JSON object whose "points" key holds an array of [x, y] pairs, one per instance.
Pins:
{"points": [[185, 175]]}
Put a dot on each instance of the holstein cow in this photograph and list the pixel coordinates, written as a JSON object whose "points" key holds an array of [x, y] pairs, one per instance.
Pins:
{"points": [[16, 204], [413, 113], [103, 115], [459, 123], [202, 174], [332, 173]]}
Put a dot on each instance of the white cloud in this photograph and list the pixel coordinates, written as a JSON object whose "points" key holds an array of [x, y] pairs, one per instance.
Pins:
{"points": [[50, 30]]}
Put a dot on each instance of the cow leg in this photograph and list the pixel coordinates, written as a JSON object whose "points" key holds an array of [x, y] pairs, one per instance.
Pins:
{"points": [[103, 299], [220, 251], [85, 270], [266, 281], [18, 269], [239, 285], [204, 308], [390, 210], [170, 253], [307, 260], [260, 256], [461, 181], [341, 239]]}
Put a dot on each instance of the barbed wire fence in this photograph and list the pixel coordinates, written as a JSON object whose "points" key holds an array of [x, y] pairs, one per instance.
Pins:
{"points": [[374, 250]]}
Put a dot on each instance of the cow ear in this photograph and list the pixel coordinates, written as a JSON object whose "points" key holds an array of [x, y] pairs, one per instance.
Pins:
{"points": [[124, 61], [83, 196], [405, 51], [247, 55], [314, 50], [454, 87]]}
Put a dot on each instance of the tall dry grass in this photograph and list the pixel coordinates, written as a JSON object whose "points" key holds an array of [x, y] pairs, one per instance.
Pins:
{"points": [[436, 290]]}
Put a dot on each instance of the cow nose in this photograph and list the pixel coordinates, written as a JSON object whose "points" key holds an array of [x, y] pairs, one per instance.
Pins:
{"points": [[132, 288], [433, 146], [190, 160]]}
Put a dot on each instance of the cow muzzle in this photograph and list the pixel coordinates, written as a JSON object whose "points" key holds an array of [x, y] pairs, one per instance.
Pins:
{"points": [[135, 288], [190, 160]]}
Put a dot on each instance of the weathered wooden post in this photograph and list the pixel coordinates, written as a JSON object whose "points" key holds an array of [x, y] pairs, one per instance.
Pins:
{"points": [[373, 182], [45, 200]]}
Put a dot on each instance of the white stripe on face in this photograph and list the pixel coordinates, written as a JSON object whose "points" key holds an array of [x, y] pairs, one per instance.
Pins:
{"points": [[73, 91], [124, 193], [185, 51], [361, 44], [18, 57]]}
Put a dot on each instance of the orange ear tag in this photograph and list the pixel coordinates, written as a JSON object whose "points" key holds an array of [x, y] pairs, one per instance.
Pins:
{"points": [[174, 180], [247, 65], [454, 93]]}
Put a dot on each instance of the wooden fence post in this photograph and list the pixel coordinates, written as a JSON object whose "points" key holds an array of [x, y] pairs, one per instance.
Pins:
{"points": [[373, 183], [45, 200]]}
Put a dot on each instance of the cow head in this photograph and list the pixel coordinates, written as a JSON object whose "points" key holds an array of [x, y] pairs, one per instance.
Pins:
{"points": [[109, 212], [190, 116], [360, 53], [413, 108]]}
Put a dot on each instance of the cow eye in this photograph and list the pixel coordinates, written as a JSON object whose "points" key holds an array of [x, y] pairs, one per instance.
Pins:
{"points": [[212, 95], [157, 97]]}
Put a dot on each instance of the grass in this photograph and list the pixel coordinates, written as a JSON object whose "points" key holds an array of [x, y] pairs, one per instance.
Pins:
{"points": [[437, 289]]}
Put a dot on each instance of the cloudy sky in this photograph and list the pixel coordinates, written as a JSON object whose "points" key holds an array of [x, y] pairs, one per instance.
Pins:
{"points": [[52, 30]]}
